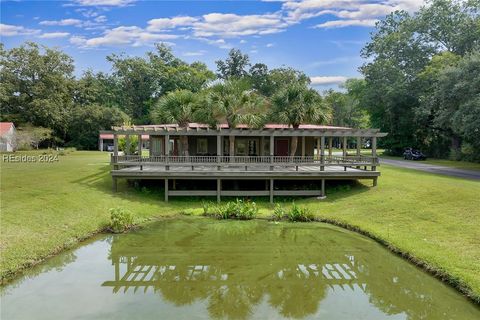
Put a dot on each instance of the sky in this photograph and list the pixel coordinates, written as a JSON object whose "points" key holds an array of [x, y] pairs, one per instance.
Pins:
{"points": [[323, 38]]}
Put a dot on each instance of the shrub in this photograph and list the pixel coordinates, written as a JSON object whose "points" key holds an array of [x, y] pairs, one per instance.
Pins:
{"points": [[207, 206], [278, 212], [120, 220], [237, 209], [297, 213], [246, 210]]}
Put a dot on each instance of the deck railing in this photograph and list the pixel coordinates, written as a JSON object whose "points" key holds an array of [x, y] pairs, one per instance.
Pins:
{"points": [[287, 161]]}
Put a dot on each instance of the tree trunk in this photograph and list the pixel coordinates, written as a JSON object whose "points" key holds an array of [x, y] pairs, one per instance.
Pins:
{"points": [[231, 152]]}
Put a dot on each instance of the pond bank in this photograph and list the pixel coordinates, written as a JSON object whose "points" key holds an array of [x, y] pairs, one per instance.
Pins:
{"points": [[428, 217], [237, 269]]}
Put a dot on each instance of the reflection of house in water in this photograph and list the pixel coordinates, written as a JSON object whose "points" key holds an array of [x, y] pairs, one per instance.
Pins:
{"points": [[235, 273], [236, 268], [133, 276]]}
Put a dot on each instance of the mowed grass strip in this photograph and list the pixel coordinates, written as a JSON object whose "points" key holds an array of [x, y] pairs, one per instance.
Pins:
{"points": [[47, 207]]}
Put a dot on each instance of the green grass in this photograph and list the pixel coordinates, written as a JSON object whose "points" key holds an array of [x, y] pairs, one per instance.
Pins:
{"points": [[47, 207]]}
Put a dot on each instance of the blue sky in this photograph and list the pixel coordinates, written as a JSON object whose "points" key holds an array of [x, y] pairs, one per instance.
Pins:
{"points": [[321, 37]]}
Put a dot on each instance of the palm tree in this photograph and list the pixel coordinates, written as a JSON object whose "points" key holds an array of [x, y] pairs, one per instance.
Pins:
{"points": [[298, 104], [181, 107], [234, 102]]}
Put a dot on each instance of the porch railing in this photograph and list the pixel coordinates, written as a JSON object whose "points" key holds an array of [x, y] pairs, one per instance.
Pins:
{"points": [[286, 161]]}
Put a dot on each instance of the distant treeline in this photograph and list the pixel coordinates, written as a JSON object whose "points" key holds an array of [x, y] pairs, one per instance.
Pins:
{"points": [[421, 85]]}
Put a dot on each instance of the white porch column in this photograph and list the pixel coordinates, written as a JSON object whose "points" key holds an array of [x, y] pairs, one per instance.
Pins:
{"points": [[100, 144], [219, 189], [344, 146]]}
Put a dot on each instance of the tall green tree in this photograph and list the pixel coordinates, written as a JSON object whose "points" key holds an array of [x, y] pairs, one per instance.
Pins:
{"points": [[37, 84], [235, 66], [87, 121], [179, 107], [298, 104], [233, 102]]}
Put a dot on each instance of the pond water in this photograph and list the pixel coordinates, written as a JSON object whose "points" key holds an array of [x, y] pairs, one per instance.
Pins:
{"points": [[197, 268]]}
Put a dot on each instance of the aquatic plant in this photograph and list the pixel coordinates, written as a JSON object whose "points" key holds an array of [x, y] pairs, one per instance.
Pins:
{"points": [[238, 209], [120, 220], [297, 213]]}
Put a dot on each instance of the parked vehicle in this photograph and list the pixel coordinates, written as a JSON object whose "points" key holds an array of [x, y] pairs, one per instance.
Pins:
{"points": [[412, 154]]}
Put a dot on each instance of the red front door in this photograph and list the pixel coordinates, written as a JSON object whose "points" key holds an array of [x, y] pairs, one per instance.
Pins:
{"points": [[281, 147]]}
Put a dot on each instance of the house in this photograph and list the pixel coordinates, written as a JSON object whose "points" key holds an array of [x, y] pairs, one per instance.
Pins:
{"points": [[202, 161], [105, 142], [7, 137]]}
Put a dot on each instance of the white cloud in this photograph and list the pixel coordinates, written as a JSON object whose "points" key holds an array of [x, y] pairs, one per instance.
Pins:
{"points": [[105, 3], [347, 23], [54, 35], [63, 22], [232, 25], [100, 19], [194, 53], [355, 10], [8, 30], [327, 80], [162, 24], [122, 36], [243, 41], [221, 43], [269, 45]]}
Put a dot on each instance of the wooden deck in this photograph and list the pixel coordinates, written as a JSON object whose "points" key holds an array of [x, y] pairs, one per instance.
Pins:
{"points": [[267, 168]]}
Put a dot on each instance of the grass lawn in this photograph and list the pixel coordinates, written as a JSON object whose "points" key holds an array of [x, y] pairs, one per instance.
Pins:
{"points": [[47, 207]]}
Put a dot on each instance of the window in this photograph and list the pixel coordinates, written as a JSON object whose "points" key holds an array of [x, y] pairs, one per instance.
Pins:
{"points": [[241, 147], [202, 146]]}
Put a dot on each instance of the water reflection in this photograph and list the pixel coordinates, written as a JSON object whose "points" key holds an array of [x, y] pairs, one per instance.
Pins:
{"points": [[300, 270]]}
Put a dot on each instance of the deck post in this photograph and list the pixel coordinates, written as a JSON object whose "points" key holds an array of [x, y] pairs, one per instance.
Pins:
{"points": [[322, 153], [167, 151], [322, 191], [330, 142], [374, 151], [166, 190], [375, 181], [303, 147], [100, 144], [359, 146], [140, 142], [272, 150], [115, 146], [318, 149], [271, 190], [344, 147], [219, 189], [219, 151], [115, 151], [114, 184]]}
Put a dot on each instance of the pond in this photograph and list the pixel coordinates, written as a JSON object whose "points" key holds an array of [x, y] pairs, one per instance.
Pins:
{"points": [[196, 268]]}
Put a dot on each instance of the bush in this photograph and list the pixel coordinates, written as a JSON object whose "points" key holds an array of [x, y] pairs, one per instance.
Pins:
{"points": [[120, 220], [297, 213], [238, 209], [278, 212]]}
